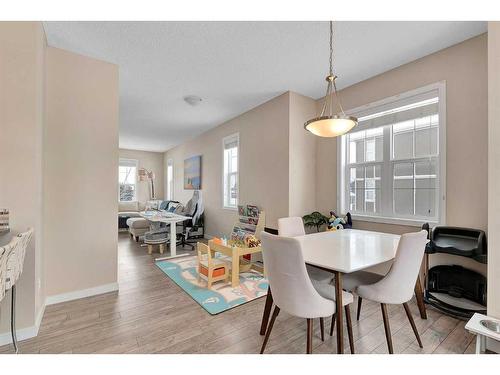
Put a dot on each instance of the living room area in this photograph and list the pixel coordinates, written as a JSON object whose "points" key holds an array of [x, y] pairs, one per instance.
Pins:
{"points": [[200, 187]]}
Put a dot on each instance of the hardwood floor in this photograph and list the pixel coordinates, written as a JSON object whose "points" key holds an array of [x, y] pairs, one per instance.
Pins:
{"points": [[151, 314]]}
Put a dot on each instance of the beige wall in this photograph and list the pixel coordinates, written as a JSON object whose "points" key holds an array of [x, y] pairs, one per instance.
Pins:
{"points": [[263, 165], [80, 172], [464, 68], [302, 156], [494, 169], [152, 161], [21, 122]]}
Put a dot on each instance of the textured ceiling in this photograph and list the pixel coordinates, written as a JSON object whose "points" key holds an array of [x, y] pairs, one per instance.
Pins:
{"points": [[235, 66]]}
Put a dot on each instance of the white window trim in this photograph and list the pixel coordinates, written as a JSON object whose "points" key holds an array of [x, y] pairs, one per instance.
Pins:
{"points": [[224, 141], [135, 162], [170, 162], [341, 151]]}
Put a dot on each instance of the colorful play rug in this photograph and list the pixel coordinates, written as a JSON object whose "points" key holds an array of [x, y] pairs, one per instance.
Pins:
{"points": [[184, 272]]}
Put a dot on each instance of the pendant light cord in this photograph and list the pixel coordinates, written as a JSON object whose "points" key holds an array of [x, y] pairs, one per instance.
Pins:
{"points": [[331, 48]]}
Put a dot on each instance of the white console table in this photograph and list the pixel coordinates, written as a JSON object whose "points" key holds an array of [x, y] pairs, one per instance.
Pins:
{"points": [[474, 326]]}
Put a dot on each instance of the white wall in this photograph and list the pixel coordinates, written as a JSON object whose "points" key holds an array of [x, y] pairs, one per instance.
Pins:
{"points": [[301, 156], [152, 161], [263, 165], [494, 169], [21, 135], [80, 172]]}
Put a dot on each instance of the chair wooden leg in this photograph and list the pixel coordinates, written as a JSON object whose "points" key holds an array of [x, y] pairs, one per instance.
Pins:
{"points": [[359, 308], [150, 249], [387, 327], [269, 329], [309, 335], [349, 327], [333, 324], [412, 323], [267, 312], [322, 328]]}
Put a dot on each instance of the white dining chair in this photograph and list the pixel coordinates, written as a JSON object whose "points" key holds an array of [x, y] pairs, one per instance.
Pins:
{"points": [[397, 287], [321, 279], [294, 227], [15, 263], [293, 290], [350, 281]]}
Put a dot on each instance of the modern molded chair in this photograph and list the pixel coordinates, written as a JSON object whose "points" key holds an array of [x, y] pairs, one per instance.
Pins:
{"points": [[15, 263], [321, 280], [350, 281], [397, 286], [292, 288], [294, 227]]}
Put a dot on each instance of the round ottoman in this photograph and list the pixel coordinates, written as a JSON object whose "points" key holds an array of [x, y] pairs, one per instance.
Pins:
{"points": [[156, 237]]}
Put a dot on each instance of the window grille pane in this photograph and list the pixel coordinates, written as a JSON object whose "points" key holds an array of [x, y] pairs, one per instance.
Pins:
{"points": [[403, 140], [426, 137], [403, 189], [425, 188], [372, 188]]}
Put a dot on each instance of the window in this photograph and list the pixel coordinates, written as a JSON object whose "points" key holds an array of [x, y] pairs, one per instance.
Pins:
{"points": [[392, 166], [230, 147], [170, 179], [127, 180]]}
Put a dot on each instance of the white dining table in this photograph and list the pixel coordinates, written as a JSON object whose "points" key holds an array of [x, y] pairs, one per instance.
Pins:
{"points": [[167, 218], [346, 251]]}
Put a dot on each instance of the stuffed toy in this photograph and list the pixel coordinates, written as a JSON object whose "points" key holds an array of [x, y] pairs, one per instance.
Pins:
{"points": [[337, 222]]}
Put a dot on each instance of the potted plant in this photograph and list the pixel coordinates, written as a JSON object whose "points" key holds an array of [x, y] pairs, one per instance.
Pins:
{"points": [[315, 219]]}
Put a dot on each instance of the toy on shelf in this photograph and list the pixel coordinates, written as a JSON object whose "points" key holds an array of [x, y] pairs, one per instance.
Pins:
{"points": [[338, 222]]}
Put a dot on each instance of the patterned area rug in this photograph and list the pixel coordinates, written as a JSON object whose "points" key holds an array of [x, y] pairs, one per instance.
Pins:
{"points": [[184, 272]]}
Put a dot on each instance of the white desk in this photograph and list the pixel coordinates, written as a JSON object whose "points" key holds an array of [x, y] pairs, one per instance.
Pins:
{"points": [[346, 251], [168, 218]]}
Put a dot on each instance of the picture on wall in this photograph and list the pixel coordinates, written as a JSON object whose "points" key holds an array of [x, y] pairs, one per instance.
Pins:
{"points": [[192, 173]]}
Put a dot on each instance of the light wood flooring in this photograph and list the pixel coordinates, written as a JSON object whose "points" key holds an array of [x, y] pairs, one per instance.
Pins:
{"points": [[151, 314]]}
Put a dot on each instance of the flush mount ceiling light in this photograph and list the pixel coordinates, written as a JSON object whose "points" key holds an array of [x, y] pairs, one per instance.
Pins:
{"points": [[192, 100], [331, 123]]}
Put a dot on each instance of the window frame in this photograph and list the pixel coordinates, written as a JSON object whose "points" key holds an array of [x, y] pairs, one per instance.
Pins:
{"points": [[225, 140], [170, 189], [136, 165], [396, 101]]}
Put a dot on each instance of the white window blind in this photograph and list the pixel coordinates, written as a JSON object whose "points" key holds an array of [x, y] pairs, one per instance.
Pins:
{"points": [[230, 147], [391, 164]]}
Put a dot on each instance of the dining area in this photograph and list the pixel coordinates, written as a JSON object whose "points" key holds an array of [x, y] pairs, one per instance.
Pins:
{"points": [[317, 277]]}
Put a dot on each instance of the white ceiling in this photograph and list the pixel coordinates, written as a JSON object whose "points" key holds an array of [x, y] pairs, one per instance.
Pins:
{"points": [[235, 66]]}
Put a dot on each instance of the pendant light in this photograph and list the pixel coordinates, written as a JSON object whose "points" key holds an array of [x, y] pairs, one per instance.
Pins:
{"points": [[331, 123]]}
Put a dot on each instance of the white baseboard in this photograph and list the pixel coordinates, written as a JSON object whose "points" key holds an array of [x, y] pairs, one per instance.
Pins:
{"points": [[24, 333], [64, 297]]}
